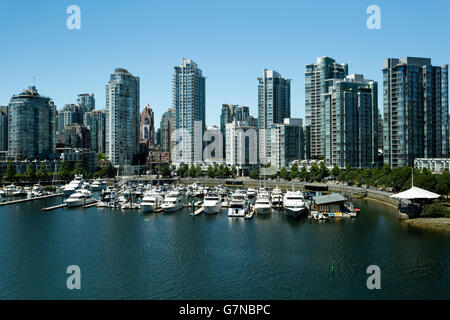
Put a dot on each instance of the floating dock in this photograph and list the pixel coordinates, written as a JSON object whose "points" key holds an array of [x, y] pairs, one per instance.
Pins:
{"points": [[198, 211], [90, 205], [62, 205], [53, 195], [250, 214]]}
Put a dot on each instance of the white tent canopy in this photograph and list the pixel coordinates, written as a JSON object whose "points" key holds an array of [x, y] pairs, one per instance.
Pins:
{"points": [[416, 194]]}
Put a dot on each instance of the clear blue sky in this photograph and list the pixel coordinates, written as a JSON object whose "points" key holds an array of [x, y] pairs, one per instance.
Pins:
{"points": [[232, 42]]}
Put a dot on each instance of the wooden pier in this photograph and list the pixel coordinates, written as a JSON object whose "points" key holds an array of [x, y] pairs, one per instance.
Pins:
{"points": [[53, 195]]}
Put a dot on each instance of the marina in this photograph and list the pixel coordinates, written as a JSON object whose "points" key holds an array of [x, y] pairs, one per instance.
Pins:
{"points": [[126, 254], [149, 198]]}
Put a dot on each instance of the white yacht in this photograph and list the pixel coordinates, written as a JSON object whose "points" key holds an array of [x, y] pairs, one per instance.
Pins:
{"points": [[8, 191], [239, 204], [212, 203], [98, 185], [173, 201], [151, 201], [73, 185], [108, 199], [294, 204], [276, 197], [262, 203], [251, 192], [80, 198]]}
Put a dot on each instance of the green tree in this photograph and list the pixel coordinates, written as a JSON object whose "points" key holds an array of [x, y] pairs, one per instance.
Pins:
{"points": [[210, 172], [30, 173], [294, 172], [101, 157], [435, 210], [63, 172], [79, 169], [284, 174], [314, 172], [335, 171], [254, 174], [233, 171], [42, 173], [10, 173]]}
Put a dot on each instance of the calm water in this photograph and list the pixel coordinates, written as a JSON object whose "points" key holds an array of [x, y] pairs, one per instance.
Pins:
{"points": [[124, 255]]}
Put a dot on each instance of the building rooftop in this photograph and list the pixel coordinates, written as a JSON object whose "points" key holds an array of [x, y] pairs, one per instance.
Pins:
{"points": [[329, 198]]}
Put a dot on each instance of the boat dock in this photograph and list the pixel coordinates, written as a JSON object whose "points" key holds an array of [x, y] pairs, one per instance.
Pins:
{"points": [[30, 199], [198, 211], [250, 214], [90, 205], [62, 205]]}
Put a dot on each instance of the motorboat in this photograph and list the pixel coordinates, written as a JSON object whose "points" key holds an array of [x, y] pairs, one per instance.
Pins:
{"points": [[80, 198], [277, 197], [73, 186], [262, 203], [173, 201], [294, 204], [108, 199], [239, 204], [98, 185], [212, 203], [251, 193], [151, 201], [8, 191]]}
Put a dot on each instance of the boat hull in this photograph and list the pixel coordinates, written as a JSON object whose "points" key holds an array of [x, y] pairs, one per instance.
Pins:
{"points": [[212, 209], [295, 213]]}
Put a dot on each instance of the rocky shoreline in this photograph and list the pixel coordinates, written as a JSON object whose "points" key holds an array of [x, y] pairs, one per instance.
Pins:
{"points": [[438, 224]]}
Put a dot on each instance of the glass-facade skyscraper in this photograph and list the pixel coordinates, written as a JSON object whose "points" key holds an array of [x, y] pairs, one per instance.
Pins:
{"points": [[188, 87], [31, 126], [351, 122], [166, 127], [122, 117], [3, 128], [415, 98], [86, 102], [274, 104], [317, 81], [97, 128]]}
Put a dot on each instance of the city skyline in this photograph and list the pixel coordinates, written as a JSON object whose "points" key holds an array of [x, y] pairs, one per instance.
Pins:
{"points": [[223, 50]]}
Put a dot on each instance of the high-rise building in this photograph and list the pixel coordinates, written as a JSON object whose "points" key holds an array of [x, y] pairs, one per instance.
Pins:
{"points": [[76, 136], [3, 128], [415, 95], [350, 122], [147, 126], [317, 76], [274, 104], [97, 128], [122, 117], [31, 126], [380, 131], [286, 142], [189, 104], [241, 146], [166, 128], [72, 114], [86, 102]]}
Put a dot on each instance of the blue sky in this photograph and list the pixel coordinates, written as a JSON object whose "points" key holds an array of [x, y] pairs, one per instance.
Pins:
{"points": [[231, 41]]}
